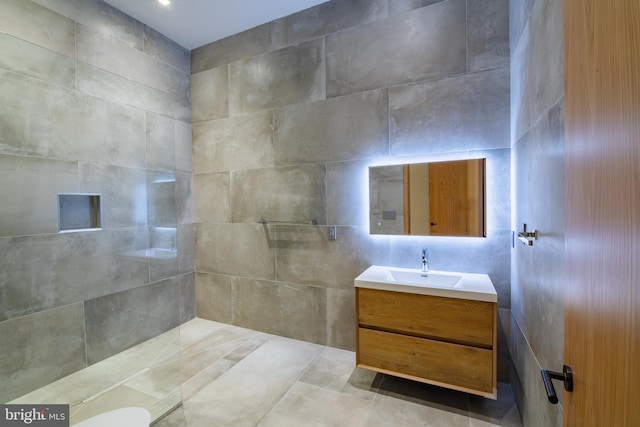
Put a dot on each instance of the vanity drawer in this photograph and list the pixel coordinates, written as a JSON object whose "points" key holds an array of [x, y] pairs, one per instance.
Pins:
{"points": [[449, 319], [426, 360]]}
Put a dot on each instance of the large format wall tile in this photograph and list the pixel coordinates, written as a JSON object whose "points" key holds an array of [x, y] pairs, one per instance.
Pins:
{"points": [[38, 25], [102, 17], [132, 85], [118, 57], [348, 193], [183, 146], [34, 61], [48, 121], [166, 50], [234, 48], [117, 89], [243, 142], [184, 197], [186, 248], [46, 271], [161, 199], [488, 34], [326, 18], [538, 301], [237, 249], [118, 321], [305, 255], [267, 306], [518, 17], [160, 142], [461, 113], [345, 128], [214, 295], [291, 75], [28, 190], [40, 349], [187, 295], [124, 193], [207, 208], [498, 189], [341, 312], [209, 94], [540, 158], [527, 384], [290, 193], [400, 6], [537, 79], [426, 43]]}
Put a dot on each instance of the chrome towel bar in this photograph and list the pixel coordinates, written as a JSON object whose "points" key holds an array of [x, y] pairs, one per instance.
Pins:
{"points": [[268, 221]]}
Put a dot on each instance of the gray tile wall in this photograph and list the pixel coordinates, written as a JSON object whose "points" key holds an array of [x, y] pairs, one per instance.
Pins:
{"points": [[287, 118], [93, 101], [537, 124]]}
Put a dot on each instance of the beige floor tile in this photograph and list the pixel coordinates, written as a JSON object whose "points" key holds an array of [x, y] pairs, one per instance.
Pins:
{"points": [[312, 406], [205, 377], [235, 377], [244, 394], [195, 329], [336, 370], [390, 411], [160, 380]]}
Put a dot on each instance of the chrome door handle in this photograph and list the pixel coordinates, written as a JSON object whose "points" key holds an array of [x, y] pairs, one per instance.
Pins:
{"points": [[566, 376]]}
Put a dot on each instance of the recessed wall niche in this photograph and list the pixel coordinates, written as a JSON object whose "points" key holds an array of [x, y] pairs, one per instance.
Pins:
{"points": [[79, 211]]}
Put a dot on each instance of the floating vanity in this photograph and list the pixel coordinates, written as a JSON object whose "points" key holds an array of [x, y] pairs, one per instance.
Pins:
{"points": [[435, 327]]}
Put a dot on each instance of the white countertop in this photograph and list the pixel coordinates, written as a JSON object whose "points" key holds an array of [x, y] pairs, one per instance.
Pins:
{"points": [[471, 286]]}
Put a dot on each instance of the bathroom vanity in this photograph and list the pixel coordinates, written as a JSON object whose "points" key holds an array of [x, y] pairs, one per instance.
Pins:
{"points": [[435, 327]]}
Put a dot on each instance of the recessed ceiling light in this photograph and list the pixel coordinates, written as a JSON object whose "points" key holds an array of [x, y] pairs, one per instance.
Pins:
{"points": [[165, 2]]}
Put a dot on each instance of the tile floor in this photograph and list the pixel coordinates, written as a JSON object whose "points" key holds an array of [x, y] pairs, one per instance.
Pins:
{"points": [[256, 379], [229, 376]]}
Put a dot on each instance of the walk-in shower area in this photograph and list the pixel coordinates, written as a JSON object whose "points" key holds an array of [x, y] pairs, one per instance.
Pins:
{"points": [[96, 247]]}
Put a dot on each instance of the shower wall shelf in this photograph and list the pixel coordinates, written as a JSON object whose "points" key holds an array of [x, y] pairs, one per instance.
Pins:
{"points": [[527, 237], [268, 221], [79, 212]]}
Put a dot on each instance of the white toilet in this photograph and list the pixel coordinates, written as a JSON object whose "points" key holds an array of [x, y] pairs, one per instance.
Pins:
{"points": [[123, 417]]}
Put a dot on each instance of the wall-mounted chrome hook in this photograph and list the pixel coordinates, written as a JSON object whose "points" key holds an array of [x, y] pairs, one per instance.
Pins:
{"points": [[527, 237]]}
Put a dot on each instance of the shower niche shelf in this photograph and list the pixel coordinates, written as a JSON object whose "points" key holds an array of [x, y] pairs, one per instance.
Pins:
{"points": [[79, 212]]}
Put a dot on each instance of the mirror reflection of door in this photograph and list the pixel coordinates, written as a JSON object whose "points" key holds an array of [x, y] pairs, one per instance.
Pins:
{"points": [[442, 199]]}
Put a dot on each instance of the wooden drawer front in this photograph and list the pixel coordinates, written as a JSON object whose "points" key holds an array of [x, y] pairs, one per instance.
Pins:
{"points": [[454, 320], [459, 365]]}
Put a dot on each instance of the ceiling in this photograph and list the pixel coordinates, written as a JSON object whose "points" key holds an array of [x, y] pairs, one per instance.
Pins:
{"points": [[193, 23]]}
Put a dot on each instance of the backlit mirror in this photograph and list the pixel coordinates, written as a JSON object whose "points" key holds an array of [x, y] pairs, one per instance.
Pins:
{"points": [[428, 199]]}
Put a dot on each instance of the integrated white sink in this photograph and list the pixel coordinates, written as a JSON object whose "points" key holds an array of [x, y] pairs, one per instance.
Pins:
{"points": [[421, 278], [439, 283]]}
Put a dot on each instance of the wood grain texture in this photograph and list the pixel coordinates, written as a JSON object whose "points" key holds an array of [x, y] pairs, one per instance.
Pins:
{"points": [[448, 319], [456, 198], [602, 131], [459, 365]]}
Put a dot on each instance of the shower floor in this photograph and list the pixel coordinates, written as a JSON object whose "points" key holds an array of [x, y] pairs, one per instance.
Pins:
{"points": [[146, 375], [231, 376]]}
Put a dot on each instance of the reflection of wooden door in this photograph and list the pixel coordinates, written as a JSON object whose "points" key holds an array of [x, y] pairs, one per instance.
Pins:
{"points": [[602, 128], [456, 198]]}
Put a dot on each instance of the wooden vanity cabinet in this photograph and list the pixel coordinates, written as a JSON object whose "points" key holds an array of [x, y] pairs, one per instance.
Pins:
{"points": [[444, 341]]}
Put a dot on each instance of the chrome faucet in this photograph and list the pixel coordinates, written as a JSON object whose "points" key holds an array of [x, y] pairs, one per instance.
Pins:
{"points": [[425, 260]]}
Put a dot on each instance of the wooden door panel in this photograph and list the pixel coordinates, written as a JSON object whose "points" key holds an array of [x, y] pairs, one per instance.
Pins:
{"points": [[602, 128]]}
